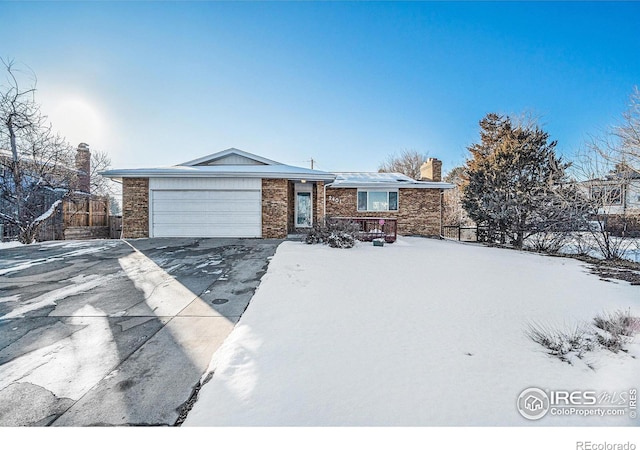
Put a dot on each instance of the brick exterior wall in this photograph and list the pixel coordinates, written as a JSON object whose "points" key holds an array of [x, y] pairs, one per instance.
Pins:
{"points": [[135, 208], [419, 210], [318, 202], [291, 207], [275, 206]]}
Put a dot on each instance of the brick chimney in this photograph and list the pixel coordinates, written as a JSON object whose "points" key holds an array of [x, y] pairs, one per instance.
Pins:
{"points": [[431, 170], [83, 166]]}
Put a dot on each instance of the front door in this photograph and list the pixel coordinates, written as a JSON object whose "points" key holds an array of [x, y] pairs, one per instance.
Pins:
{"points": [[304, 217]]}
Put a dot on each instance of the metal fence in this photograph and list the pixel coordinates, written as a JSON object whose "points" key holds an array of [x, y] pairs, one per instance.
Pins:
{"points": [[476, 233]]}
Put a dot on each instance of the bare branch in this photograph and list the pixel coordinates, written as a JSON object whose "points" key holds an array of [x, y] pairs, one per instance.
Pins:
{"points": [[408, 163], [38, 169]]}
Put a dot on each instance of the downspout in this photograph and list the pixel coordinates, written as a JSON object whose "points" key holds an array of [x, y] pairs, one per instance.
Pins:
{"points": [[324, 201], [441, 213]]}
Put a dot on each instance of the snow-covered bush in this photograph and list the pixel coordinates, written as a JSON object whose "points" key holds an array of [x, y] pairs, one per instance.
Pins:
{"points": [[614, 330], [548, 242], [341, 240], [610, 331], [578, 244], [337, 233], [563, 344]]}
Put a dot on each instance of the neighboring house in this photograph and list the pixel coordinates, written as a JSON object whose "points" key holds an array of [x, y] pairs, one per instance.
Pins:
{"points": [[619, 193], [618, 197], [82, 215], [238, 194]]}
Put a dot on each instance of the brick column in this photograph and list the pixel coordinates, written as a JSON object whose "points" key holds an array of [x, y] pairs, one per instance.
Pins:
{"points": [[274, 208], [135, 207], [319, 211]]}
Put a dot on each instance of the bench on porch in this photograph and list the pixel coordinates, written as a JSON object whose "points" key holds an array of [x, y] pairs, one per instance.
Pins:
{"points": [[371, 228]]}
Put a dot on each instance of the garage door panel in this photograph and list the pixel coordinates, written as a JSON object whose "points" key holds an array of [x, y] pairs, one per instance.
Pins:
{"points": [[200, 208], [168, 218], [206, 213], [223, 195], [199, 231]]}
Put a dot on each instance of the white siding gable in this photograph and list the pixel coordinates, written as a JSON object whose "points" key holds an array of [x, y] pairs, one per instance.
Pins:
{"points": [[232, 160]]}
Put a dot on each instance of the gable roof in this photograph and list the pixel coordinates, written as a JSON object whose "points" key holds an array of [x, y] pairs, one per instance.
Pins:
{"points": [[228, 163], [227, 154], [383, 180]]}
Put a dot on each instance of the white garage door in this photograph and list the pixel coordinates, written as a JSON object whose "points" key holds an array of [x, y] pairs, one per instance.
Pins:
{"points": [[206, 213]]}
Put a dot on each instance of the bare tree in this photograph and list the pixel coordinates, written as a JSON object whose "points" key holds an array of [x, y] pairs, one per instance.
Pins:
{"points": [[453, 213], [102, 186], [101, 161], [603, 188], [628, 132], [408, 163], [36, 164], [606, 168]]}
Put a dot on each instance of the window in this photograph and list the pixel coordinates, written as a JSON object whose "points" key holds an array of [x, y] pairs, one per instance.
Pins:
{"points": [[607, 195], [377, 200]]}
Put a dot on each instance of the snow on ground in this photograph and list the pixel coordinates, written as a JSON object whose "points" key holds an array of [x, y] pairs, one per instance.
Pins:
{"points": [[81, 284], [30, 262], [421, 332], [629, 248], [10, 244]]}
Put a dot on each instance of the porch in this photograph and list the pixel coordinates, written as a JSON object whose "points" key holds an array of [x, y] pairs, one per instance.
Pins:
{"points": [[371, 228]]}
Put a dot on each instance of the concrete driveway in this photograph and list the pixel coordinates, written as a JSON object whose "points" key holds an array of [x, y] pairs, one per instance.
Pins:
{"points": [[117, 332]]}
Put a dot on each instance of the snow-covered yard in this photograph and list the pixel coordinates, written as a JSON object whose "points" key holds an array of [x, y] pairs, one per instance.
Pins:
{"points": [[10, 244], [421, 332]]}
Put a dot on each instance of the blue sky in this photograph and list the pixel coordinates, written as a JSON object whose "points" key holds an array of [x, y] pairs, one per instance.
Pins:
{"points": [[158, 83]]}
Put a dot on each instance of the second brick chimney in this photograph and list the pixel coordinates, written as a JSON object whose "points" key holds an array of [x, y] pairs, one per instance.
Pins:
{"points": [[83, 166], [431, 170]]}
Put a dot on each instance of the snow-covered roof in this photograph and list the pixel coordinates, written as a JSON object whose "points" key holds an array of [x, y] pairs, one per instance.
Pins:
{"points": [[624, 176], [383, 180], [7, 155], [272, 171], [617, 178], [244, 164], [238, 163]]}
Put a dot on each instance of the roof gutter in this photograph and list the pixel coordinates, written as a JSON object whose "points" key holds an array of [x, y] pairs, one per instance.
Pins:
{"points": [[400, 185], [136, 173]]}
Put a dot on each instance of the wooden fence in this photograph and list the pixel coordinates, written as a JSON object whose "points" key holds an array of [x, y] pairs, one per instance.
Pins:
{"points": [[86, 212], [80, 217], [115, 227]]}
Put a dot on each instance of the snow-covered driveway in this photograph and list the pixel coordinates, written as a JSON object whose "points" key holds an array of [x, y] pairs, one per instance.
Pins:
{"points": [[421, 332], [116, 332]]}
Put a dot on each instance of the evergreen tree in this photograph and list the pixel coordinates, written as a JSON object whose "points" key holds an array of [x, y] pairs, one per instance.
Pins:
{"points": [[513, 180]]}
